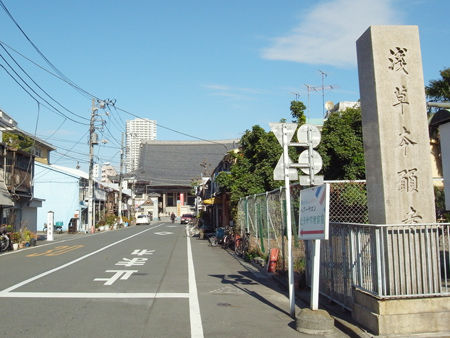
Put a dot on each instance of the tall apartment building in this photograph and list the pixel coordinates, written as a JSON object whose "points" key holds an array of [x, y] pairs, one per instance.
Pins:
{"points": [[137, 131]]}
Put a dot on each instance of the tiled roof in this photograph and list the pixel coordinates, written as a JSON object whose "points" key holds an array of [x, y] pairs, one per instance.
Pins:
{"points": [[177, 163]]}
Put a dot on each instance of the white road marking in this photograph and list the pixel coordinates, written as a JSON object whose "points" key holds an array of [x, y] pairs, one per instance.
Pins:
{"points": [[121, 295], [29, 280], [136, 261], [53, 243], [163, 233], [194, 306], [122, 274], [139, 252]]}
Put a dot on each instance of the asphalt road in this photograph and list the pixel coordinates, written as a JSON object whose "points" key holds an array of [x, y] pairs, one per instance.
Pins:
{"points": [[144, 281]]}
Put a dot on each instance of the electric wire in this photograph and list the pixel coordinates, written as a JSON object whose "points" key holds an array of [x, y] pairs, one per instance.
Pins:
{"points": [[46, 70], [56, 130], [37, 85], [173, 130], [55, 110], [30, 160], [39, 51], [114, 106]]}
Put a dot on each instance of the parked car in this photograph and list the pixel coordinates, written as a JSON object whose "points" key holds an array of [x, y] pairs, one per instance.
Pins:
{"points": [[186, 218], [142, 219]]}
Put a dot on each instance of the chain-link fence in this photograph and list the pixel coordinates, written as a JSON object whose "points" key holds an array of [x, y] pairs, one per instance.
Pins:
{"points": [[264, 216]]}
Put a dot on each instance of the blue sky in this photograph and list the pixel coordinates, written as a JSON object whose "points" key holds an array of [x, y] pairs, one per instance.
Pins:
{"points": [[205, 68]]}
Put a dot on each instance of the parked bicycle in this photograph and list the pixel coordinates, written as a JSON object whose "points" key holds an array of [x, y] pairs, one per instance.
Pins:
{"points": [[56, 228], [4, 239], [228, 239], [216, 238], [241, 244]]}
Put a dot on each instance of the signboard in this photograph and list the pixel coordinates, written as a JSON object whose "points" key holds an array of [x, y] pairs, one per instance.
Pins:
{"points": [[314, 212], [278, 172], [277, 129], [314, 162], [314, 134]]}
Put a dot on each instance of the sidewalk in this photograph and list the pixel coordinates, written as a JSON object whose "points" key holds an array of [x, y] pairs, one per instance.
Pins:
{"points": [[251, 302]]}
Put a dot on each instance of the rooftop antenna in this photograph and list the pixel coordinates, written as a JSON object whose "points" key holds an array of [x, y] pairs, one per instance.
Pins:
{"points": [[297, 95], [310, 89], [324, 75]]}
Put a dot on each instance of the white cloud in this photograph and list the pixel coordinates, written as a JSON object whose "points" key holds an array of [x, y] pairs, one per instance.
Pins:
{"points": [[233, 92], [327, 34]]}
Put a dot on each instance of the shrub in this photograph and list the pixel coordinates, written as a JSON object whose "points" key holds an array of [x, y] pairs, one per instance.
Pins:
{"points": [[15, 237]]}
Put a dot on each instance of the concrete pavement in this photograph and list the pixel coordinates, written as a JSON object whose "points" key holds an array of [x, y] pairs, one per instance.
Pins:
{"points": [[234, 297]]}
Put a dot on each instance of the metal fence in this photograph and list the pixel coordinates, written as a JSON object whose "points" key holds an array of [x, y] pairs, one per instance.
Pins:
{"points": [[264, 215], [407, 260], [387, 261]]}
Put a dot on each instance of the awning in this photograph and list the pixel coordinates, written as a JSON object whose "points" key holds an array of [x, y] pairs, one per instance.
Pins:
{"points": [[5, 197], [213, 200]]}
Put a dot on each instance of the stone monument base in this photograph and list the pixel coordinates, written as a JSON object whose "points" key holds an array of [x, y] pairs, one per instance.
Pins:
{"points": [[402, 316]]}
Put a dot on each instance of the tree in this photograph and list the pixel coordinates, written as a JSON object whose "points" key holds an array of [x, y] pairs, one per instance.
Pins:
{"points": [[439, 90], [252, 171], [18, 141], [298, 112], [341, 146]]}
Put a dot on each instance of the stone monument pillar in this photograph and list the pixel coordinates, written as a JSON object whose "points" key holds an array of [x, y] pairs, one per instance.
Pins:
{"points": [[399, 184], [395, 127]]}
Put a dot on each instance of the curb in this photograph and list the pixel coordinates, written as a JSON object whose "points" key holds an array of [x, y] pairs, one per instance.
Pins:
{"points": [[347, 327]]}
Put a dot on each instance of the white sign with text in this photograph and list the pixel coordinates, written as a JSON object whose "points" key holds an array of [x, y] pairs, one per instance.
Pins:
{"points": [[314, 212]]}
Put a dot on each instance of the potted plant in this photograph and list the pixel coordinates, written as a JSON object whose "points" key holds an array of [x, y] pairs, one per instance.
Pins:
{"points": [[27, 236], [15, 239]]}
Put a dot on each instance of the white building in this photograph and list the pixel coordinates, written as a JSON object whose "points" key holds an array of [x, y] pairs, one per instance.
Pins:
{"points": [[107, 171], [137, 131]]}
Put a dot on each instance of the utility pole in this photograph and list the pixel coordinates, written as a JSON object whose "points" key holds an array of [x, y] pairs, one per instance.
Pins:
{"points": [[120, 181], [92, 142]]}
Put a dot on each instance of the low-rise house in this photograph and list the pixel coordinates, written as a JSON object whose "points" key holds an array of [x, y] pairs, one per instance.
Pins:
{"points": [[18, 152], [65, 191]]}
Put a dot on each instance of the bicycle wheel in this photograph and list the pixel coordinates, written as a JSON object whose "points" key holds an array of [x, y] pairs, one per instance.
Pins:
{"points": [[4, 243], [245, 245], [238, 246], [213, 240]]}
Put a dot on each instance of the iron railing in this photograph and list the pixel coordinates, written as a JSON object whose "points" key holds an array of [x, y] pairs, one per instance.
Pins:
{"points": [[387, 261]]}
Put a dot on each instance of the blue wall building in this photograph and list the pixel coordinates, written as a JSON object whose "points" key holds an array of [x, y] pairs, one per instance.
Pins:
{"points": [[60, 190]]}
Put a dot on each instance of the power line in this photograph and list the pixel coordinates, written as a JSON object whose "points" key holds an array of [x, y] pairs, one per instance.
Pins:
{"points": [[37, 85], [39, 51], [57, 111], [68, 81], [171, 129], [49, 72]]}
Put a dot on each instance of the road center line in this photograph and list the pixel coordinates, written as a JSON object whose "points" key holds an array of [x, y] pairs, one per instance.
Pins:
{"points": [[194, 306], [18, 285]]}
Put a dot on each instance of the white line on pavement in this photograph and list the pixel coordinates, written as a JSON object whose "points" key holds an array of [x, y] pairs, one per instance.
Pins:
{"points": [[18, 285], [40, 245], [194, 306], [91, 295]]}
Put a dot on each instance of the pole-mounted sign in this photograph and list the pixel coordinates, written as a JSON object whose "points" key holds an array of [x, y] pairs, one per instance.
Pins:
{"points": [[310, 163]]}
